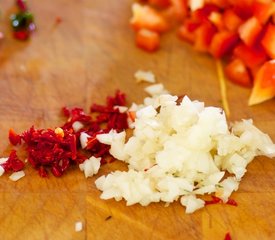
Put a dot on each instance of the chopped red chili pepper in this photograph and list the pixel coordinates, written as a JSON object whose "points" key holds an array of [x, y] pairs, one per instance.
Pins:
{"points": [[227, 236], [57, 149], [110, 114], [42, 172], [232, 202], [22, 5], [75, 115], [214, 200], [13, 163], [46, 148], [14, 138]]}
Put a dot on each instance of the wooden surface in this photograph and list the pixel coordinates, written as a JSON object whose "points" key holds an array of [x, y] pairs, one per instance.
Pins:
{"points": [[89, 55]]}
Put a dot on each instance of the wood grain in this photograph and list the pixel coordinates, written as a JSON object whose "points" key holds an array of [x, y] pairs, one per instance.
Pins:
{"points": [[89, 55]]}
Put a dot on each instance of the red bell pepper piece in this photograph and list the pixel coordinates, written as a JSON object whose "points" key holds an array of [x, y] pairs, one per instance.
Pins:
{"points": [[231, 20], [147, 40], [148, 18], [268, 41], [203, 36], [202, 14], [220, 3], [264, 84], [251, 56], [250, 31], [217, 19], [237, 72], [243, 8], [263, 10], [160, 3], [222, 43], [186, 35]]}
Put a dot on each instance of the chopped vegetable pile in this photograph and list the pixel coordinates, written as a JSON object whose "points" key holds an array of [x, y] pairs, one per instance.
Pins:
{"points": [[180, 149], [241, 32], [57, 149], [177, 149]]}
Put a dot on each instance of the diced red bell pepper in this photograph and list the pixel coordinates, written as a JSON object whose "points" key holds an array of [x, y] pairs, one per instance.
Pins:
{"points": [[263, 10], [180, 8], [147, 40], [160, 3], [264, 84], [251, 56], [250, 31], [217, 19], [268, 41], [148, 18], [203, 36], [186, 35], [222, 43], [231, 20], [237, 73], [202, 14], [191, 25], [220, 3], [243, 8]]}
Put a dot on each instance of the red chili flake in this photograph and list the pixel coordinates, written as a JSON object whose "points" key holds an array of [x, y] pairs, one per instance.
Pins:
{"points": [[232, 202], [22, 5], [56, 171], [14, 138], [227, 236], [110, 114], [214, 200], [74, 115], [58, 20], [13, 163], [42, 172]]}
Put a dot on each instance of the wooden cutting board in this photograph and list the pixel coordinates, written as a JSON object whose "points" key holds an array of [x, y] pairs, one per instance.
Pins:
{"points": [[86, 57]]}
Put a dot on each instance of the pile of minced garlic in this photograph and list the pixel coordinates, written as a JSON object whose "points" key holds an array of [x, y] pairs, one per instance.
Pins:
{"points": [[180, 150]]}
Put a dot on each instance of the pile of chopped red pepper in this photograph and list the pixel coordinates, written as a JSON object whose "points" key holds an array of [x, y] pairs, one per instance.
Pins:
{"points": [[240, 32], [57, 149]]}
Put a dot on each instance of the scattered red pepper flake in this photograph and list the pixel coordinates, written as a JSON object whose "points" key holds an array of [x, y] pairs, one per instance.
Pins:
{"points": [[227, 236], [216, 200], [14, 138], [58, 20], [42, 172], [232, 202], [22, 5]]}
